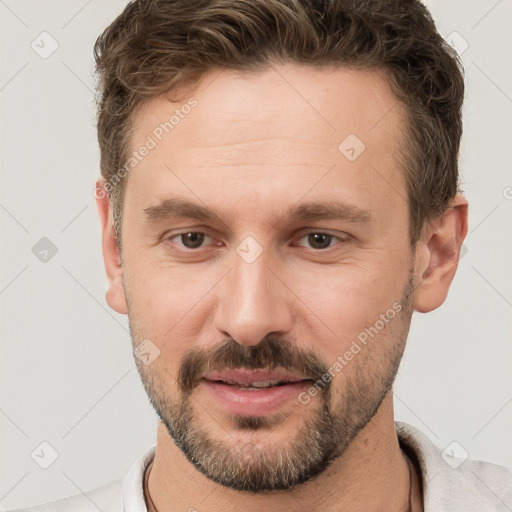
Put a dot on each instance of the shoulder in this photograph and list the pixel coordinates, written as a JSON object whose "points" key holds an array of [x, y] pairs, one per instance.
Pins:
{"points": [[451, 482], [107, 498], [117, 496]]}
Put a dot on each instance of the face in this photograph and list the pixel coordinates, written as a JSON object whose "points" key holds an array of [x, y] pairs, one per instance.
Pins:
{"points": [[267, 263]]}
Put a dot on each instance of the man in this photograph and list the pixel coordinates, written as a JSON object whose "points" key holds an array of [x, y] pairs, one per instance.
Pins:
{"points": [[279, 193]]}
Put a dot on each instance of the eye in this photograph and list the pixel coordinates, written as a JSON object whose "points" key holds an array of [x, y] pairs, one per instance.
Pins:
{"points": [[190, 240], [319, 240]]}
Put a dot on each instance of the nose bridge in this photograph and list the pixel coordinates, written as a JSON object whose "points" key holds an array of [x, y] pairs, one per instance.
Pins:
{"points": [[251, 301]]}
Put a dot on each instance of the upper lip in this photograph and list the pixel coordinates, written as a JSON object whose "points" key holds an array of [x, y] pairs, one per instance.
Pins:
{"points": [[246, 377]]}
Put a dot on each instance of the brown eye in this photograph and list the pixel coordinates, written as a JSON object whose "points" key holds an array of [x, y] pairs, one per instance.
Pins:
{"points": [[319, 240], [192, 240]]}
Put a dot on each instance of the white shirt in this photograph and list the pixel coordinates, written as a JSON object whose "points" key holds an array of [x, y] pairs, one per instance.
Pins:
{"points": [[473, 486]]}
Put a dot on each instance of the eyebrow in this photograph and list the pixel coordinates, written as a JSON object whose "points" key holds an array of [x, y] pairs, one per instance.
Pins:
{"points": [[178, 208], [312, 211], [328, 210]]}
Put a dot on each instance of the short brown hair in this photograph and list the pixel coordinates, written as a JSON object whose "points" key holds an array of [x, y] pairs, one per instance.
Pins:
{"points": [[155, 46]]}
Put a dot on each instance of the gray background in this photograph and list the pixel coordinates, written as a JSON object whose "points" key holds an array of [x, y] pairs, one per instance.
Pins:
{"points": [[67, 373]]}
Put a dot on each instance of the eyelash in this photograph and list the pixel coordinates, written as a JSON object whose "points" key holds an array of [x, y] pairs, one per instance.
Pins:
{"points": [[304, 235]]}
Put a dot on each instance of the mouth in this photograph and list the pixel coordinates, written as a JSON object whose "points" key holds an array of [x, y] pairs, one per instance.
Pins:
{"points": [[254, 392]]}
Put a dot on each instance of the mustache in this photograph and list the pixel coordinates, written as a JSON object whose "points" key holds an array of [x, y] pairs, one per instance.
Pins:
{"points": [[270, 353]]}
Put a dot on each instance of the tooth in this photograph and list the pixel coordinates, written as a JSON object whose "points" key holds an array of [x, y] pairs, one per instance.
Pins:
{"points": [[256, 384], [264, 383]]}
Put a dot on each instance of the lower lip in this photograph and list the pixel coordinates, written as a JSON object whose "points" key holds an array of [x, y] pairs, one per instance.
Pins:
{"points": [[254, 402]]}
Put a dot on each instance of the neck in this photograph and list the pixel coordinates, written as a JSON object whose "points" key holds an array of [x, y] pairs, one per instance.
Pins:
{"points": [[372, 475]]}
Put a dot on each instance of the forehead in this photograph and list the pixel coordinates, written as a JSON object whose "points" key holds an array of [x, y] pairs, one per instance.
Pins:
{"points": [[250, 136], [330, 99]]}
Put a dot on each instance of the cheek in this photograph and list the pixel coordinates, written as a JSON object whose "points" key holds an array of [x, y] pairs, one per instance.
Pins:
{"points": [[349, 299], [361, 311], [169, 304], [166, 290]]}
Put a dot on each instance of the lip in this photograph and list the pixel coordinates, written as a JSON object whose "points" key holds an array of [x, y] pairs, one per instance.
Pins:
{"points": [[253, 402], [245, 377]]}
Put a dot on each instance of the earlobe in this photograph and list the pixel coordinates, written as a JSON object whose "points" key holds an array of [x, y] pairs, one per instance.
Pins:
{"points": [[437, 255], [115, 295]]}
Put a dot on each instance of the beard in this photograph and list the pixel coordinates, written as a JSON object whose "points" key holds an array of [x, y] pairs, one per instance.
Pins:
{"points": [[330, 423]]}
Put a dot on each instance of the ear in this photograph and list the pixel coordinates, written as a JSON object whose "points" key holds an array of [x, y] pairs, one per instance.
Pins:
{"points": [[437, 255], [115, 293]]}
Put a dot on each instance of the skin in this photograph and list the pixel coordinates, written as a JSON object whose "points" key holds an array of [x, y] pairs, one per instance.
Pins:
{"points": [[252, 149]]}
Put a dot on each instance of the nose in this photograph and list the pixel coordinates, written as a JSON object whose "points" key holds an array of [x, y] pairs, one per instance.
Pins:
{"points": [[252, 303]]}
